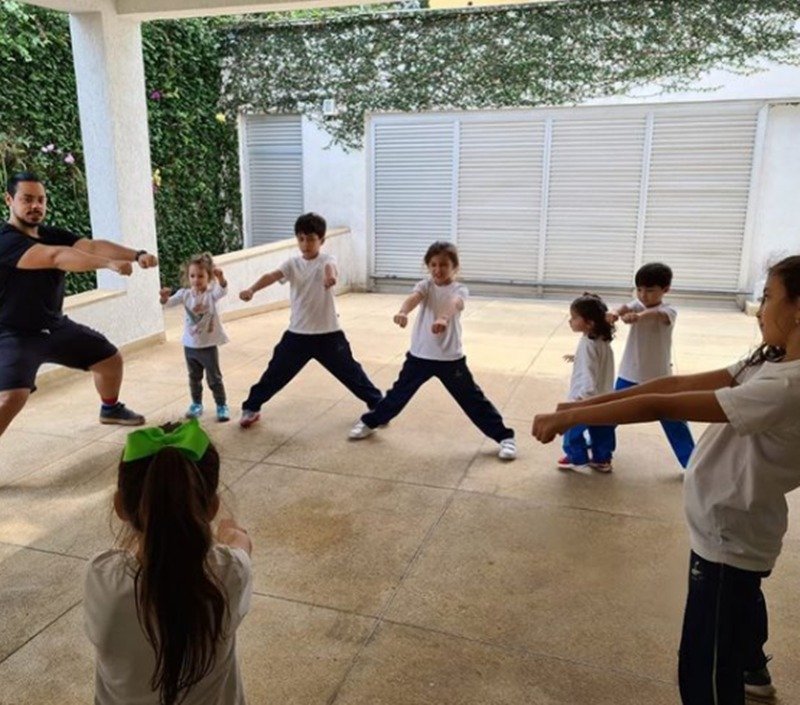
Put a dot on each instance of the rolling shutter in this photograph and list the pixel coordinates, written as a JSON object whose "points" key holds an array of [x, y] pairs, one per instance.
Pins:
{"points": [[413, 192], [697, 201], [499, 200], [274, 154], [593, 201]]}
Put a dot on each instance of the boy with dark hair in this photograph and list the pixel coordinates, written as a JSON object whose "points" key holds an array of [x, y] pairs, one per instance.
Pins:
{"points": [[314, 331], [648, 350]]}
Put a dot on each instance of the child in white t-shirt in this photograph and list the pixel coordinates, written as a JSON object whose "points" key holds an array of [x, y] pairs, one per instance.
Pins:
{"points": [[734, 490], [314, 332], [436, 351], [592, 374], [648, 350], [162, 610], [202, 331]]}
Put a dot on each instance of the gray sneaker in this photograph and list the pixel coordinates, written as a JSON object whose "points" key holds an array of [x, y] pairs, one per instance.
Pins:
{"points": [[121, 415]]}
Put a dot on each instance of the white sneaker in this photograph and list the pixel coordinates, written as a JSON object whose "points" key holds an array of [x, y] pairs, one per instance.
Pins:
{"points": [[360, 430], [508, 449]]}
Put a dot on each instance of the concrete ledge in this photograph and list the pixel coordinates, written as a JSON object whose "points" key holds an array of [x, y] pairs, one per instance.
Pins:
{"points": [[85, 298], [288, 243], [57, 373], [751, 307]]}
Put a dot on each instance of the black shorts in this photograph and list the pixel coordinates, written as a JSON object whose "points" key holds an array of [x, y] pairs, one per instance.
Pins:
{"points": [[68, 343]]}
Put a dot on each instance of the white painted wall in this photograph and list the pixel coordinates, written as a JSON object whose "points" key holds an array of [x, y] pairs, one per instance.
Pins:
{"points": [[335, 186], [777, 226]]}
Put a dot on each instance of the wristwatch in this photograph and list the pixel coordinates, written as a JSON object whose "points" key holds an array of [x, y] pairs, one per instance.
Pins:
{"points": [[138, 254]]}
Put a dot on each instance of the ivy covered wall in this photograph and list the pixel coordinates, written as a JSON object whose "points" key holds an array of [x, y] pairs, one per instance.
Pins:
{"points": [[193, 146], [507, 56]]}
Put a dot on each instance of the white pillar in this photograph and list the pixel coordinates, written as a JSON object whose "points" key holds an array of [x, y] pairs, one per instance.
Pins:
{"points": [[109, 69]]}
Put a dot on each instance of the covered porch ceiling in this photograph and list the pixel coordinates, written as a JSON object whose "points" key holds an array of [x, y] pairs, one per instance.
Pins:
{"points": [[171, 9]]}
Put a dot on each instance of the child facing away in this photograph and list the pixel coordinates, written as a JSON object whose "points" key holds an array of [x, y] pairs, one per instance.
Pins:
{"points": [[744, 465], [314, 332], [592, 374], [162, 610], [202, 331], [648, 350], [436, 351]]}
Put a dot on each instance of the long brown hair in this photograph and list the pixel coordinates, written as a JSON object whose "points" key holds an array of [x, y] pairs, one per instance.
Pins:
{"points": [[788, 269], [169, 500]]}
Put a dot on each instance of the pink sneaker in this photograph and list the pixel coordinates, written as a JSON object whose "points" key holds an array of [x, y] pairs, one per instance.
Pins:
{"points": [[566, 464]]}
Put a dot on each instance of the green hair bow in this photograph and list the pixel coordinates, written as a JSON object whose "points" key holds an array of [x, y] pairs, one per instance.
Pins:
{"points": [[188, 438]]}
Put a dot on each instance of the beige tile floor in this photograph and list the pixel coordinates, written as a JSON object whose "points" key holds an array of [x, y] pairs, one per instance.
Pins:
{"points": [[411, 568]]}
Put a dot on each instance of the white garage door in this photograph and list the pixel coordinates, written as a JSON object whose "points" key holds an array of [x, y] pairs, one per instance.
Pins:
{"points": [[567, 197], [273, 179]]}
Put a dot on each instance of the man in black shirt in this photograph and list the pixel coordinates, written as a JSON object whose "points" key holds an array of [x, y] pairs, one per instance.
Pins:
{"points": [[33, 328]]}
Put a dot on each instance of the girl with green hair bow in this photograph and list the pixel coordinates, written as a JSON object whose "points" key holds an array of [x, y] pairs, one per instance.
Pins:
{"points": [[162, 609]]}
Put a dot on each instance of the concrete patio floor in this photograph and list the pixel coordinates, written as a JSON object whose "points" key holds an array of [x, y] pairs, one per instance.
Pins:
{"points": [[413, 567]]}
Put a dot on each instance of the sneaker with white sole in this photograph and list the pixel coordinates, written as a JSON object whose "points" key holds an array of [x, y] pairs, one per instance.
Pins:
{"points": [[758, 685], [195, 409], [248, 418], [508, 449], [360, 430], [566, 464]]}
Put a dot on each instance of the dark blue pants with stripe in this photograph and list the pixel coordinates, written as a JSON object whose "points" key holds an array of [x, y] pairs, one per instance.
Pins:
{"points": [[295, 350], [724, 632], [456, 378]]}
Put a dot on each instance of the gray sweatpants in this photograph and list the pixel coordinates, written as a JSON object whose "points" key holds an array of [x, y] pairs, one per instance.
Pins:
{"points": [[197, 360]]}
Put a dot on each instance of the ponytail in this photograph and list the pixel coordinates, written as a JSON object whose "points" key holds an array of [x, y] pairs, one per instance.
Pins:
{"points": [[180, 603]]}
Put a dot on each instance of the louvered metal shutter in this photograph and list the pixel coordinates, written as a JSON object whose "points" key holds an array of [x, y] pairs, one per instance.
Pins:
{"points": [[593, 200], [413, 193], [698, 197], [274, 154], [499, 200]]}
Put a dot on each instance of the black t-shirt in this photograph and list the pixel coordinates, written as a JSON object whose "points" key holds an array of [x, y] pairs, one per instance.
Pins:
{"points": [[30, 299]]}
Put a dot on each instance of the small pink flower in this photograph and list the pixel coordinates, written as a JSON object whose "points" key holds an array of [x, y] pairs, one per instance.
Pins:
{"points": [[155, 95], [48, 148], [69, 159]]}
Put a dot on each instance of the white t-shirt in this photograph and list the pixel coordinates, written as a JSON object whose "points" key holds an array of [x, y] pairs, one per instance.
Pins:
{"points": [[740, 472], [593, 369], [124, 659], [435, 301], [202, 327], [313, 306], [648, 352]]}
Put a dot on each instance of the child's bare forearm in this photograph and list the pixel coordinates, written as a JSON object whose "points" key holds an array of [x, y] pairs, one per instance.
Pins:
{"points": [[264, 281], [410, 303], [705, 381]]}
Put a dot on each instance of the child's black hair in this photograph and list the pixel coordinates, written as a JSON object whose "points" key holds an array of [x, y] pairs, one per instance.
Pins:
{"points": [[440, 247], [590, 307], [654, 274], [310, 224]]}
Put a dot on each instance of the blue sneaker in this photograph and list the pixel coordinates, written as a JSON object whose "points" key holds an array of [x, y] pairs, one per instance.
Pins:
{"points": [[194, 410], [120, 414], [223, 412]]}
